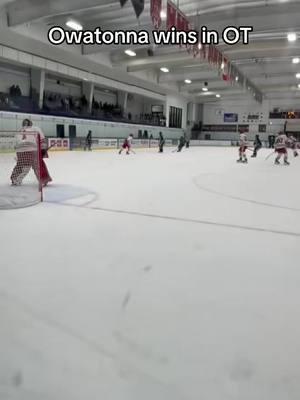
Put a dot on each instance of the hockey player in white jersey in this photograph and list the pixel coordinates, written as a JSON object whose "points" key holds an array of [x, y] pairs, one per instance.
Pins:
{"points": [[293, 144], [281, 143], [243, 147]]}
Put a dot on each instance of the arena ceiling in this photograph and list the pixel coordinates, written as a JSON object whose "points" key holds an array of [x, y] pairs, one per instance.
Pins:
{"points": [[267, 61]]}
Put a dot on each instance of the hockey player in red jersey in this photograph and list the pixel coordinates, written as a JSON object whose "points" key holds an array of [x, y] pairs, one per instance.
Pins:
{"points": [[281, 143], [127, 144], [242, 149]]}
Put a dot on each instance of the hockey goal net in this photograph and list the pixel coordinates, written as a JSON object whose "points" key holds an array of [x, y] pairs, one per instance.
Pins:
{"points": [[20, 167]]}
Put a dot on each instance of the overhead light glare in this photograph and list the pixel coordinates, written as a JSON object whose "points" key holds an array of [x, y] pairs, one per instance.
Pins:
{"points": [[163, 15], [218, 95], [296, 60], [76, 26], [292, 37], [164, 69], [205, 89], [130, 53], [188, 81], [298, 76]]}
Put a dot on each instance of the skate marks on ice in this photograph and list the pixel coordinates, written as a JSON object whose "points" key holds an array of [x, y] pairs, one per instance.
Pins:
{"points": [[12, 197], [185, 220], [70, 195], [139, 350], [196, 181], [128, 294], [126, 300], [40, 317], [124, 365]]}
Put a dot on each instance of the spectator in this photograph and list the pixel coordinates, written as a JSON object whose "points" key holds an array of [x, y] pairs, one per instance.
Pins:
{"points": [[18, 91]]}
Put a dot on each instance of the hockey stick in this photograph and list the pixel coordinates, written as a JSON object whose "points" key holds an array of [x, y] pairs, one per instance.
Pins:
{"points": [[50, 147], [273, 152]]}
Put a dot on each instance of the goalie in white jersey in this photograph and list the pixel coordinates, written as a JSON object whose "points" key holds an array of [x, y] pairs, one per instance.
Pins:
{"points": [[27, 150], [243, 147]]}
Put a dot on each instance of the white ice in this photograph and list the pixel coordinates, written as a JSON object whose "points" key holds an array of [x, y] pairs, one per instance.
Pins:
{"points": [[154, 276]]}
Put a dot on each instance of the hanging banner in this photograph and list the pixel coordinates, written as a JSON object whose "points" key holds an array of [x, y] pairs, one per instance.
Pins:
{"points": [[196, 49], [182, 22], [225, 74], [155, 10], [203, 51], [171, 15]]}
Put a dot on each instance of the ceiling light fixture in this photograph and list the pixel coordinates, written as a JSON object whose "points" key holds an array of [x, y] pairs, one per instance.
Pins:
{"points": [[298, 76], [163, 15], [76, 26], [299, 86], [164, 69], [222, 65], [218, 95], [130, 53], [199, 46], [205, 89], [188, 81], [292, 37], [296, 60]]}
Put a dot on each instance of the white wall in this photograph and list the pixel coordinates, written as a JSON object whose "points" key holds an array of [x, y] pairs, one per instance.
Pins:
{"points": [[194, 112], [213, 114], [10, 77], [65, 87], [10, 121]]}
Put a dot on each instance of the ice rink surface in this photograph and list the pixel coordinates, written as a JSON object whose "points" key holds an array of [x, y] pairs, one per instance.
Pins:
{"points": [[154, 276]]}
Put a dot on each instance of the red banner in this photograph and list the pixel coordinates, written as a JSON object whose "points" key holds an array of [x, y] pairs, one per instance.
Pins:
{"points": [[155, 10], [196, 50], [182, 22], [226, 72], [171, 15], [203, 51]]}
